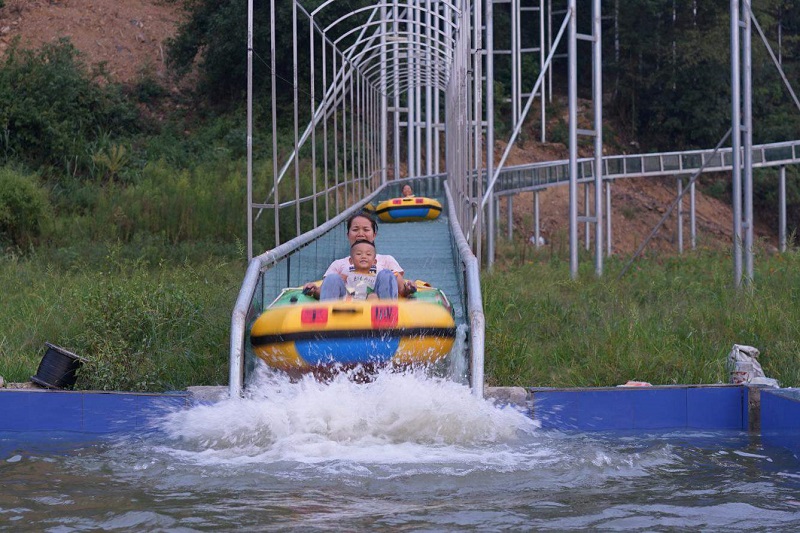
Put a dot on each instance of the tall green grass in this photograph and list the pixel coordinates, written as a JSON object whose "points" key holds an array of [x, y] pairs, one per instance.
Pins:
{"points": [[142, 325], [667, 321], [151, 317]]}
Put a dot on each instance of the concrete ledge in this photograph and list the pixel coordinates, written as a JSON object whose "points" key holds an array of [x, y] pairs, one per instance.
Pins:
{"points": [[517, 396], [208, 393]]}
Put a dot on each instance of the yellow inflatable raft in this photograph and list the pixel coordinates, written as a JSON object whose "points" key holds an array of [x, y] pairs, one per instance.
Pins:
{"points": [[297, 333], [410, 209]]}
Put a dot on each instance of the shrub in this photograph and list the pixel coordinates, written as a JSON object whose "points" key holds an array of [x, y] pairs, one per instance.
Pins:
{"points": [[52, 109], [135, 327], [24, 206]]}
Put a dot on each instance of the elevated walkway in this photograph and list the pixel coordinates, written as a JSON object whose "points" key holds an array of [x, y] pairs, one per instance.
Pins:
{"points": [[538, 176]]}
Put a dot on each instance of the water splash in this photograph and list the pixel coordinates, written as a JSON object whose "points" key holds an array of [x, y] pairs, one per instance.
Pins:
{"points": [[390, 419]]}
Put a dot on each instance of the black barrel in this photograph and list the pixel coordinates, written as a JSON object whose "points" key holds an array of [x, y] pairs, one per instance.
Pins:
{"points": [[58, 368]]}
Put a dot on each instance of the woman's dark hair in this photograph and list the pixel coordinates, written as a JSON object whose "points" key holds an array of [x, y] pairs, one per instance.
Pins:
{"points": [[366, 214]]}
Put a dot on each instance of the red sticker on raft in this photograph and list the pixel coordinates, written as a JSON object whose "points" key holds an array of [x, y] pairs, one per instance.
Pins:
{"points": [[384, 316], [314, 316], [397, 202], [419, 200]]}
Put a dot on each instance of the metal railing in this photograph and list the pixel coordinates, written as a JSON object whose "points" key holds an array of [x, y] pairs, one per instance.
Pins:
{"points": [[538, 176], [471, 289]]}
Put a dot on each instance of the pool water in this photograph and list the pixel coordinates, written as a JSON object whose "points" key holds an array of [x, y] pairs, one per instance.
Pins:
{"points": [[405, 452]]}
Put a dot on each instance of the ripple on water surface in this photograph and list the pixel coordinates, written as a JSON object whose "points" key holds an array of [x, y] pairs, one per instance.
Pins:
{"points": [[404, 451]]}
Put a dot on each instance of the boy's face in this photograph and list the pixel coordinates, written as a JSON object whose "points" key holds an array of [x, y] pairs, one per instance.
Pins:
{"points": [[362, 255]]}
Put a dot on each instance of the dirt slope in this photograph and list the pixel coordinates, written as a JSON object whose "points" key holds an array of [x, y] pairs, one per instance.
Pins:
{"points": [[637, 206], [129, 37]]}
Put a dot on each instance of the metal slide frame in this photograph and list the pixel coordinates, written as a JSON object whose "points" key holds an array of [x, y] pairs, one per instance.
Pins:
{"points": [[400, 89]]}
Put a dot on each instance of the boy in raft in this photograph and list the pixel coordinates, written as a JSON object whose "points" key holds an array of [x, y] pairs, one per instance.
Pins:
{"points": [[407, 192], [362, 268], [360, 280]]}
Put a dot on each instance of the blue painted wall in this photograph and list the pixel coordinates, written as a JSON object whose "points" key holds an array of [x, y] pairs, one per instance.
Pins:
{"points": [[780, 418], [624, 408], [711, 407], [83, 412]]}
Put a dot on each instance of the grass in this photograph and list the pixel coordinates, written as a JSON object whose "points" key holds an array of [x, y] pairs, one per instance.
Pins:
{"points": [[142, 325], [152, 317], [667, 321]]}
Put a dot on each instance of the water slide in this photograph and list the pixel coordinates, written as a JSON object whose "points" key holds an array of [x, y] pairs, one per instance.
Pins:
{"points": [[434, 251]]}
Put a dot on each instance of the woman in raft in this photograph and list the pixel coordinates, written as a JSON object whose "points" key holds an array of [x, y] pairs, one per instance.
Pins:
{"points": [[389, 282]]}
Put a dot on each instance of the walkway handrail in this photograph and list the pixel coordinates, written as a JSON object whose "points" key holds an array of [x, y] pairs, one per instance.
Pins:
{"points": [[538, 176]]}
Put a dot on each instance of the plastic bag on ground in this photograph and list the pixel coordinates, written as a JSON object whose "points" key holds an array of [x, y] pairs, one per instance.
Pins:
{"points": [[744, 367]]}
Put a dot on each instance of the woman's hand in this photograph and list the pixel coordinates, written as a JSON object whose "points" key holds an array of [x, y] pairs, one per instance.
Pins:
{"points": [[311, 289], [410, 287], [405, 287]]}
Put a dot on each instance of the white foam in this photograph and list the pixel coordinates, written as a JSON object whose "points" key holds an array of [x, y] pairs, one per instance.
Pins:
{"points": [[398, 418]]}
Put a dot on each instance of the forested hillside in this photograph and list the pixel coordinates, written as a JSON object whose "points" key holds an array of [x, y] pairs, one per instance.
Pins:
{"points": [[101, 98]]}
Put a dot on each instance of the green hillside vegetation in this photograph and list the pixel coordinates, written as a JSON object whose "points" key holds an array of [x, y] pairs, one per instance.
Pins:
{"points": [[122, 235]]}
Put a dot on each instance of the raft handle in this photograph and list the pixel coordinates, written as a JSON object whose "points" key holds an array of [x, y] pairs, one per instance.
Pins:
{"points": [[351, 310]]}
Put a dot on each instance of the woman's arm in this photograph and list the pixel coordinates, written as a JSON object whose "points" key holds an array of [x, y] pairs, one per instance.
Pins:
{"points": [[405, 287], [335, 268]]}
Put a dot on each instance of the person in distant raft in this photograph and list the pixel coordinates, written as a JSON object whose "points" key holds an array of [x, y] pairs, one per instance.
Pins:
{"points": [[407, 191], [389, 282]]}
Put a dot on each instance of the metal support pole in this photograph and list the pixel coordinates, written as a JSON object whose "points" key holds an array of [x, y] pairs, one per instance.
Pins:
{"points": [[312, 105], [747, 103], [490, 128], [736, 144], [249, 129], [411, 156], [536, 230], [609, 234], [587, 215], [572, 42], [496, 215], [295, 122], [680, 215], [515, 56], [542, 54], [384, 118], [429, 124], [274, 110], [782, 209], [597, 100], [396, 83], [476, 192], [693, 214]]}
